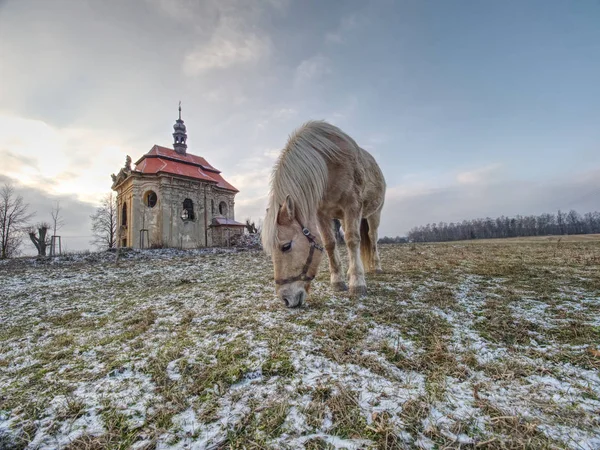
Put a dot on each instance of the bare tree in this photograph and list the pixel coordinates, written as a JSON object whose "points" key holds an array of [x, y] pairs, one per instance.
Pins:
{"points": [[104, 223], [41, 239], [251, 227], [13, 216], [57, 220], [57, 224]]}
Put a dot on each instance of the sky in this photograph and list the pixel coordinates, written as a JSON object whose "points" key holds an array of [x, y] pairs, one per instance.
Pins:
{"points": [[471, 108]]}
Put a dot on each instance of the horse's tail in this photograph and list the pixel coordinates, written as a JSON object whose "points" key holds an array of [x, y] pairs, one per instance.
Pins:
{"points": [[366, 246]]}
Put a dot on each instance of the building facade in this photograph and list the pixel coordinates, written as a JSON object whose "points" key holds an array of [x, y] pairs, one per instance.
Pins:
{"points": [[172, 198]]}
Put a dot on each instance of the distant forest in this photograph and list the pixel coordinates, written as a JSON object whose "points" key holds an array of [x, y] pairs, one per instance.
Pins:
{"points": [[505, 227]]}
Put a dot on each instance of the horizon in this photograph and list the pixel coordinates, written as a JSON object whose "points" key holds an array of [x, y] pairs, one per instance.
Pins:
{"points": [[471, 110]]}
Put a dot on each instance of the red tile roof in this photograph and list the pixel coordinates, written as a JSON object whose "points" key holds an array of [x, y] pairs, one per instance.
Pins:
{"points": [[156, 165], [165, 160], [221, 182], [169, 153]]}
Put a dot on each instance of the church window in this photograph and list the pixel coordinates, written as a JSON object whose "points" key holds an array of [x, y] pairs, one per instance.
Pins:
{"points": [[124, 214], [188, 206], [223, 208], [150, 199], [212, 207]]}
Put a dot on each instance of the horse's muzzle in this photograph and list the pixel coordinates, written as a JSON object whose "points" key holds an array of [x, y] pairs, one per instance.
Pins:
{"points": [[294, 300]]}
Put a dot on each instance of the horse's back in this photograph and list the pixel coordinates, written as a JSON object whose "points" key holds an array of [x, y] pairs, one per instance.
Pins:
{"points": [[355, 178]]}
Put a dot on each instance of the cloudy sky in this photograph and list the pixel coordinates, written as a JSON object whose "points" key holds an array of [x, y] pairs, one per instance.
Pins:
{"points": [[471, 108]]}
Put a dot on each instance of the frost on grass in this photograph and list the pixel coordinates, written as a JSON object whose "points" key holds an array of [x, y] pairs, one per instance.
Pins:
{"points": [[491, 344]]}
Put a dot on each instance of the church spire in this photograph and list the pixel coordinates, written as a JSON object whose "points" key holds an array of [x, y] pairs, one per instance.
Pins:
{"points": [[180, 135]]}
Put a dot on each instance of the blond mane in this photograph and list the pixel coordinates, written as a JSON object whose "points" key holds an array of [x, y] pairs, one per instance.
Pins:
{"points": [[301, 172]]}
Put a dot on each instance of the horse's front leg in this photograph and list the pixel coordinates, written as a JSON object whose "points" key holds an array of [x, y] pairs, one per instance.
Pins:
{"points": [[356, 271], [335, 264]]}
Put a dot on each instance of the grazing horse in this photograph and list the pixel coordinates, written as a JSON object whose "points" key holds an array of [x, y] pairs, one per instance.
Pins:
{"points": [[321, 175]]}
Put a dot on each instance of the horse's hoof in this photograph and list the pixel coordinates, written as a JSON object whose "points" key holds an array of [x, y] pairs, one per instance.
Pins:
{"points": [[380, 271], [358, 291], [339, 286]]}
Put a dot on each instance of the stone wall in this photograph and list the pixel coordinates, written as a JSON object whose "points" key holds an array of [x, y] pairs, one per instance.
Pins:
{"points": [[224, 236], [163, 220]]}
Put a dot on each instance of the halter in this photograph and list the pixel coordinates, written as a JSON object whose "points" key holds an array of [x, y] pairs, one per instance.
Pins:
{"points": [[304, 275]]}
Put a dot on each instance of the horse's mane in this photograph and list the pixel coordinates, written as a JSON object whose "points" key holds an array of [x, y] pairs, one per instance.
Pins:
{"points": [[301, 172]]}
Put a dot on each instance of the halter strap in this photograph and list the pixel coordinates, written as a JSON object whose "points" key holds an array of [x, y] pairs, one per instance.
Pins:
{"points": [[304, 275]]}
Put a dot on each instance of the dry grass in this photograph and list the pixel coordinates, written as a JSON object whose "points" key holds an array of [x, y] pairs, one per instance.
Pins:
{"points": [[489, 344]]}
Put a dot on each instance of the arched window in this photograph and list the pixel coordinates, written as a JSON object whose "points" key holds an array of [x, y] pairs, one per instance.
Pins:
{"points": [[124, 214], [212, 207], [223, 208], [188, 206], [150, 199]]}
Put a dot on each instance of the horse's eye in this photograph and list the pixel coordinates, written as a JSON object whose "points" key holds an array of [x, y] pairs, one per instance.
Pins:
{"points": [[286, 247]]}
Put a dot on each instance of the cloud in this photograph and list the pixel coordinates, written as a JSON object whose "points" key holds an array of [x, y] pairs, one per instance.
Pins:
{"points": [[227, 48], [252, 176], [206, 12], [312, 69], [221, 95], [482, 174], [347, 110], [347, 24], [277, 116], [59, 160], [234, 41]]}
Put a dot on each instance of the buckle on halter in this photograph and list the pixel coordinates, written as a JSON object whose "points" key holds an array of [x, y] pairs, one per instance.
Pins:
{"points": [[305, 231]]}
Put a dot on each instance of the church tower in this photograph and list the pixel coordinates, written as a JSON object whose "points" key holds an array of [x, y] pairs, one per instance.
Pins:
{"points": [[172, 198], [180, 135]]}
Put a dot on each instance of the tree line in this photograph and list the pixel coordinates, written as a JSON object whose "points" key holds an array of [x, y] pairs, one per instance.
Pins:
{"points": [[393, 240], [505, 227]]}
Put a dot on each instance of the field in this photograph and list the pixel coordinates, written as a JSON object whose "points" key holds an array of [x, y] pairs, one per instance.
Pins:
{"points": [[489, 345]]}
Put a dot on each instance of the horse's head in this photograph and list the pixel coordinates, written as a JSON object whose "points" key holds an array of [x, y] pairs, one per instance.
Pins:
{"points": [[296, 252]]}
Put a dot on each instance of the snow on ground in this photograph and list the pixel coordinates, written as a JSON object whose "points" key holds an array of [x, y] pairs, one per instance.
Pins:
{"points": [[454, 345]]}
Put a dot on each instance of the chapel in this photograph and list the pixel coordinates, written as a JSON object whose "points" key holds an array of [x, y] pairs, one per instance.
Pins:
{"points": [[172, 198]]}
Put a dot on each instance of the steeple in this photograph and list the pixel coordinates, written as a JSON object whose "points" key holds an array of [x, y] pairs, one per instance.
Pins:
{"points": [[180, 135]]}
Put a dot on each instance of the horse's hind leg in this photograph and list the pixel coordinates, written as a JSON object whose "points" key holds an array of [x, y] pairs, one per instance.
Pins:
{"points": [[335, 264], [356, 272], [373, 221]]}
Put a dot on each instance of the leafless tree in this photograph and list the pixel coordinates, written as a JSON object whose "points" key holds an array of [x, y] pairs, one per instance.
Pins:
{"points": [[39, 236], [251, 227], [57, 224], [57, 220], [104, 223], [13, 216]]}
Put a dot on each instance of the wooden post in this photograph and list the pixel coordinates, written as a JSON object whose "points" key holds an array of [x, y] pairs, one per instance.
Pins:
{"points": [[53, 245], [144, 232]]}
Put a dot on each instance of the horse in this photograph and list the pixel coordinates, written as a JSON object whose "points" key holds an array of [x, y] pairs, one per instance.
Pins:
{"points": [[321, 175]]}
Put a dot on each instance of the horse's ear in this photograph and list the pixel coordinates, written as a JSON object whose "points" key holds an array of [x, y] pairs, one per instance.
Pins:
{"points": [[286, 212]]}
